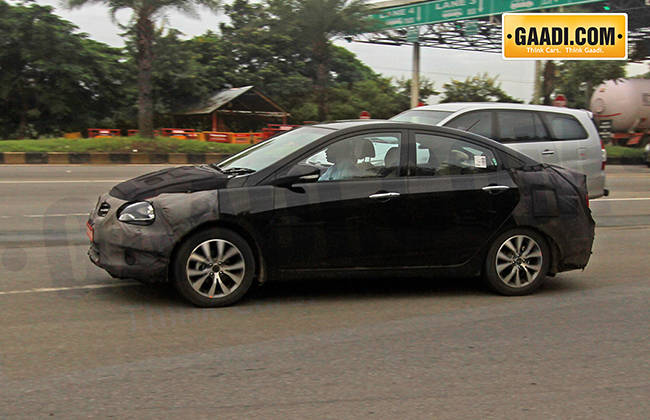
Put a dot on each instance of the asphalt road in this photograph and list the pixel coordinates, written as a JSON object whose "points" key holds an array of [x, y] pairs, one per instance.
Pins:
{"points": [[76, 343]]}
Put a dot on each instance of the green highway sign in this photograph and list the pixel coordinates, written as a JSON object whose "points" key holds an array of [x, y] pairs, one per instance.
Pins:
{"points": [[449, 10]]}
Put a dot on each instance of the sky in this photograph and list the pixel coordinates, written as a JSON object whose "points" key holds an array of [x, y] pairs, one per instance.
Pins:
{"points": [[438, 65]]}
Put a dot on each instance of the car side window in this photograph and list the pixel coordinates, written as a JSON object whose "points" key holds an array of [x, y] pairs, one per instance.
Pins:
{"points": [[375, 155], [520, 127], [564, 127], [477, 122], [440, 156]]}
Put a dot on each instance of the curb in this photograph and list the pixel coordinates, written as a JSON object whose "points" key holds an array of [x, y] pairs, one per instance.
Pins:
{"points": [[626, 161], [61, 158]]}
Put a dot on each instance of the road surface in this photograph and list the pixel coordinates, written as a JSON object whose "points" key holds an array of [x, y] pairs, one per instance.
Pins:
{"points": [[74, 342]]}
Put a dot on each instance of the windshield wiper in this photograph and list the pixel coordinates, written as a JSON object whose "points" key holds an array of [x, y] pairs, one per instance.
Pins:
{"points": [[237, 171]]}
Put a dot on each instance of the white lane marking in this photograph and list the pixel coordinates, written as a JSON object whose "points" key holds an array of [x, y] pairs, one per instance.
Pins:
{"points": [[63, 289], [76, 181], [620, 199], [56, 215]]}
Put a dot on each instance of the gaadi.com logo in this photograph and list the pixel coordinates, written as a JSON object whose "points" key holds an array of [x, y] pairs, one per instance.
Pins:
{"points": [[565, 36]]}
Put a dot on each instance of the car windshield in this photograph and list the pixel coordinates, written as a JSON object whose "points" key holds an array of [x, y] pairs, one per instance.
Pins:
{"points": [[273, 150], [422, 117]]}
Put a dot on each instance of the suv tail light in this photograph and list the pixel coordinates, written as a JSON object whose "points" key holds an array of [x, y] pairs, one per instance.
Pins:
{"points": [[603, 154]]}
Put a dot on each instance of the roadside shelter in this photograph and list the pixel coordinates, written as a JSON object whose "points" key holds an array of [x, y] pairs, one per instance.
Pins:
{"points": [[241, 102]]}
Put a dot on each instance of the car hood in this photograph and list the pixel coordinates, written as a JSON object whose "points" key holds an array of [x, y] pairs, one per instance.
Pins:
{"points": [[182, 179]]}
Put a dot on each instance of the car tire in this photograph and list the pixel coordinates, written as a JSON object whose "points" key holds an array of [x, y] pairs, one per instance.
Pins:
{"points": [[214, 268], [517, 272]]}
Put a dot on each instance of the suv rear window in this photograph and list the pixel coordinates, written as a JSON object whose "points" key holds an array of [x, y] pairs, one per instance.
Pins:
{"points": [[564, 127]]}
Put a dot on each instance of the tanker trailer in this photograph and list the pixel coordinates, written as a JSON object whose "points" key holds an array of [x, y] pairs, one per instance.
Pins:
{"points": [[622, 110]]}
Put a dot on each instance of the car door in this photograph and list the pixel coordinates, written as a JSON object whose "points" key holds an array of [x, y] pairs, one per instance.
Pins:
{"points": [[458, 196], [350, 217]]}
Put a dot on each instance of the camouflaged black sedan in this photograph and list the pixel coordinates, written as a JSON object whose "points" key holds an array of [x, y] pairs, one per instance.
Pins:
{"points": [[338, 199]]}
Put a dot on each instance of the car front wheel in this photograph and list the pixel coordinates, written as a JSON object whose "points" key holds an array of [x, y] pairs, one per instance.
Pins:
{"points": [[214, 268], [517, 262]]}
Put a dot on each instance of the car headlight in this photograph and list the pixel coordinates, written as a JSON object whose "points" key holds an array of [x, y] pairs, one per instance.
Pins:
{"points": [[140, 213]]}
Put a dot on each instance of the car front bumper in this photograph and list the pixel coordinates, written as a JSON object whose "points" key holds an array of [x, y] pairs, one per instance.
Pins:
{"points": [[129, 251]]}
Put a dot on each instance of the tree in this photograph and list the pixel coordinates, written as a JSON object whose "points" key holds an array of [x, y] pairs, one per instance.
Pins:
{"points": [[577, 79], [404, 90], [480, 88], [142, 23], [315, 23], [262, 49], [52, 78]]}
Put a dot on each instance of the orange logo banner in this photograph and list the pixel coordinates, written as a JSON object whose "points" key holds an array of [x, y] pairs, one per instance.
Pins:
{"points": [[565, 36]]}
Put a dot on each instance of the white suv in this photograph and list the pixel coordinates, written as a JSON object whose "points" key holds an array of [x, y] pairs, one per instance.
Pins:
{"points": [[561, 136]]}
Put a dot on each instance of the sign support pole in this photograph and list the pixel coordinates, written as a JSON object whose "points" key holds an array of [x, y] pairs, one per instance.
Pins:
{"points": [[415, 78]]}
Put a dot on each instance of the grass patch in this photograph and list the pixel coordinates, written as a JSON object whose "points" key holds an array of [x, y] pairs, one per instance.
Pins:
{"points": [[119, 144], [623, 152]]}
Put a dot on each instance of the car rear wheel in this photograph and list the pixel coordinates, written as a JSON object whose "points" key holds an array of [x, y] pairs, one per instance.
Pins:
{"points": [[214, 268], [517, 262]]}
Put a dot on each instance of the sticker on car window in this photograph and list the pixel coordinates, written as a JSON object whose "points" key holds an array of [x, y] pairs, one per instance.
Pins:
{"points": [[480, 162]]}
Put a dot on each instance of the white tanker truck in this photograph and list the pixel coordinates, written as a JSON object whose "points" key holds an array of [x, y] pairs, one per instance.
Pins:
{"points": [[621, 108]]}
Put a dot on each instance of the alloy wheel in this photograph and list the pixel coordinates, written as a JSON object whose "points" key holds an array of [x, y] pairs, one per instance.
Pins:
{"points": [[215, 268], [519, 261]]}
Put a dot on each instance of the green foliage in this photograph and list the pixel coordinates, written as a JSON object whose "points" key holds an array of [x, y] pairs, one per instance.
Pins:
{"points": [[269, 49], [577, 79], [312, 24], [404, 90], [479, 88], [623, 151], [52, 78], [142, 26], [118, 144]]}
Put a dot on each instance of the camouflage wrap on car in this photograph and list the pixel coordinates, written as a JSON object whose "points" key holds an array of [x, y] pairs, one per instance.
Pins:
{"points": [[143, 252], [553, 200]]}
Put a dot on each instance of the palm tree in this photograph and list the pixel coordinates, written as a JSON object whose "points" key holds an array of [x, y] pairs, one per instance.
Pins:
{"points": [[142, 22], [320, 21]]}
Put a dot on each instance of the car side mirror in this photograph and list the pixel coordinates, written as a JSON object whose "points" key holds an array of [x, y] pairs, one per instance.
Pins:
{"points": [[297, 174]]}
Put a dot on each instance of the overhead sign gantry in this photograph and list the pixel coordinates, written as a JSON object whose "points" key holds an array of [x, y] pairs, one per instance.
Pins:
{"points": [[412, 13], [475, 25]]}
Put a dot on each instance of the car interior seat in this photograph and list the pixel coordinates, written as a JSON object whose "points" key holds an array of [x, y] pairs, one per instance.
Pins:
{"points": [[364, 149], [391, 162]]}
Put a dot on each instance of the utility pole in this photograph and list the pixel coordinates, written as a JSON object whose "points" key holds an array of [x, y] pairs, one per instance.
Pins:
{"points": [[415, 78], [537, 91]]}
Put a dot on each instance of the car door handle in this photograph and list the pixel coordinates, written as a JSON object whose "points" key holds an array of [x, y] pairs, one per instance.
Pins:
{"points": [[548, 152], [495, 189], [384, 196]]}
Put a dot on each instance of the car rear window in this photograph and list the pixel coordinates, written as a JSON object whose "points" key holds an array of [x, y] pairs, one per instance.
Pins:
{"points": [[564, 127], [422, 116]]}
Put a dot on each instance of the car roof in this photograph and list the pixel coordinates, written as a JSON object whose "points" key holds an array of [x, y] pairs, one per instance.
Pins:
{"points": [[463, 106], [343, 124]]}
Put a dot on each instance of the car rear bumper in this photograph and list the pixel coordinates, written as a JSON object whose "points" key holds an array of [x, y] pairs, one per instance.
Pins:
{"points": [[553, 201]]}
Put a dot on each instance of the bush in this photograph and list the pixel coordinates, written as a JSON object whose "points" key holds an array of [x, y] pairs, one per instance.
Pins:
{"points": [[119, 144]]}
